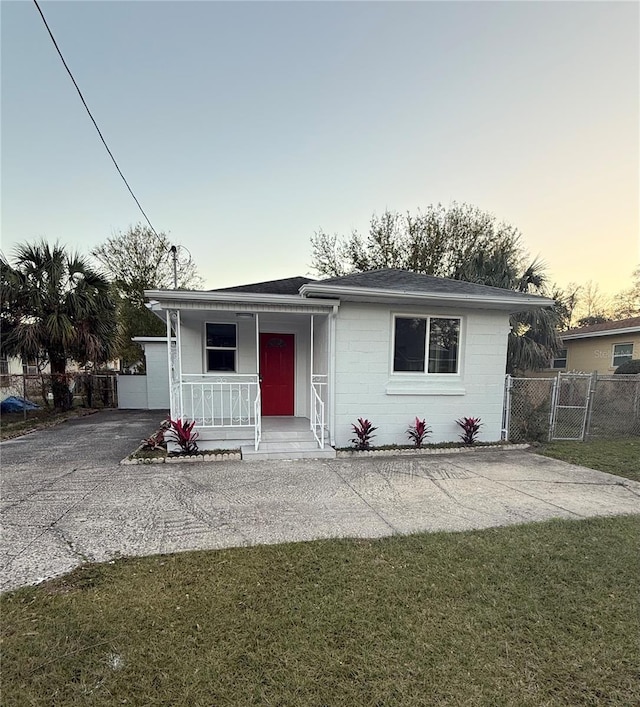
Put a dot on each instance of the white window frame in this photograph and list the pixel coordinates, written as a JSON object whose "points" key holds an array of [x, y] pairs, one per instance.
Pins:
{"points": [[4, 369], [613, 353], [560, 358], [428, 318], [220, 348], [30, 367]]}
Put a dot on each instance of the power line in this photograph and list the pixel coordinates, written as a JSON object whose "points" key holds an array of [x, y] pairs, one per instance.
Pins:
{"points": [[84, 103]]}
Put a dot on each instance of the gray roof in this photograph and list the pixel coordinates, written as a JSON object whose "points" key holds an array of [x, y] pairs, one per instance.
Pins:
{"points": [[286, 286], [404, 281]]}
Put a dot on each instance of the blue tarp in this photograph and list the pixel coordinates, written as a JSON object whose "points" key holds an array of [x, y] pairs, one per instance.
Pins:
{"points": [[15, 404]]}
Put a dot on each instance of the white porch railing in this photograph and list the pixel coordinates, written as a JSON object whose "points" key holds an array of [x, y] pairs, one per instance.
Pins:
{"points": [[214, 400], [257, 404], [318, 386]]}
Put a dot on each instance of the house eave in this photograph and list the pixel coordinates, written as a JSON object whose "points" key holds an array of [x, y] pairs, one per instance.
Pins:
{"points": [[240, 301], [608, 332], [363, 294]]}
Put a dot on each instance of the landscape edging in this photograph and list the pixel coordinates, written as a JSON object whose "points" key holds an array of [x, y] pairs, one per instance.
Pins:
{"points": [[347, 453], [340, 454]]}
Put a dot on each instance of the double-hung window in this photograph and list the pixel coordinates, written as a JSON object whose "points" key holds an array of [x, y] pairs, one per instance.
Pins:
{"points": [[30, 367], [560, 361], [426, 345], [4, 370], [621, 354], [221, 347]]}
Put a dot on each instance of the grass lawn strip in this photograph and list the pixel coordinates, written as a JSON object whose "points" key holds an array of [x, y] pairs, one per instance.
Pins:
{"points": [[540, 614], [615, 456]]}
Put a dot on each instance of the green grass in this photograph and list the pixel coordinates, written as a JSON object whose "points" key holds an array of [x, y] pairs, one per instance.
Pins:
{"points": [[542, 614], [616, 456]]}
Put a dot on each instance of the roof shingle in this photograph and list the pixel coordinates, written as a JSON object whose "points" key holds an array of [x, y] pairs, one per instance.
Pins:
{"points": [[604, 326], [286, 286], [405, 281]]}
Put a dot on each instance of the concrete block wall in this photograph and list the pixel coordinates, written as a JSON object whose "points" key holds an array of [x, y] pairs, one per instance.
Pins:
{"points": [[365, 385]]}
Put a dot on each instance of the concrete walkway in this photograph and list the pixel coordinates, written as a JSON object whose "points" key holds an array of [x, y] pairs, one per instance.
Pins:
{"points": [[65, 499]]}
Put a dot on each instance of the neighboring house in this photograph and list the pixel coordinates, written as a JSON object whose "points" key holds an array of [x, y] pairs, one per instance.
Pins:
{"points": [[386, 345], [14, 368], [599, 347]]}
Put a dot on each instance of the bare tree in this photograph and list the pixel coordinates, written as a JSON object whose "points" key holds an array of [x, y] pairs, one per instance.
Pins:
{"points": [[135, 261]]}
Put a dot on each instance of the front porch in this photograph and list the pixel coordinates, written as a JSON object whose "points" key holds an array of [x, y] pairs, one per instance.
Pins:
{"points": [[253, 377]]}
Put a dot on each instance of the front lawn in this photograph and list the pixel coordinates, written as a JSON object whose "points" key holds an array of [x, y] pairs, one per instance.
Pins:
{"points": [[617, 456], [542, 614]]}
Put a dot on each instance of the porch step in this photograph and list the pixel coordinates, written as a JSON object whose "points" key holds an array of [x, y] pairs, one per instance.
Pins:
{"points": [[299, 435], [287, 450]]}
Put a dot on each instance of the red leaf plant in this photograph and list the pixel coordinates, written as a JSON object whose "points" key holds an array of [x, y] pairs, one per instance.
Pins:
{"points": [[363, 434], [182, 433], [470, 429], [418, 432]]}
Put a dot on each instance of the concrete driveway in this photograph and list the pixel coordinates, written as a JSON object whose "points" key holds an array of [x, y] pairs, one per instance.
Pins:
{"points": [[65, 499]]}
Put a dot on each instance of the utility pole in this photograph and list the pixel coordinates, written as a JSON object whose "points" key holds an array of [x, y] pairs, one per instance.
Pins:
{"points": [[174, 255]]}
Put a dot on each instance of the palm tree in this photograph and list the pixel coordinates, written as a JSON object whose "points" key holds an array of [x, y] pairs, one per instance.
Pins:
{"points": [[55, 307], [534, 338]]}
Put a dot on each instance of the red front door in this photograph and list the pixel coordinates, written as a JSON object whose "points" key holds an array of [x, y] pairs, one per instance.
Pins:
{"points": [[276, 370]]}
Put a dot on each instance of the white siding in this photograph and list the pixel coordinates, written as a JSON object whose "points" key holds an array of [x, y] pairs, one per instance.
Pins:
{"points": [[151, 391], [366, 387], [132, 393], [157, 375]]}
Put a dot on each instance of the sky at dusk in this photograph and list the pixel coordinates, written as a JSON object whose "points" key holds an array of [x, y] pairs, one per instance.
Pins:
{"points": [[244, 127]]}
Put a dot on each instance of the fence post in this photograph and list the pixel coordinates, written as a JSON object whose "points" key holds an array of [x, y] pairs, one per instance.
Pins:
{"points": [[24, 396], [593, 383], [506, 410], [552, 409]]}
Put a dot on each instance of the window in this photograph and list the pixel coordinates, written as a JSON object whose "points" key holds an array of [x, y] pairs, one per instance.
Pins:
{"points": [[560, 361], [221, 347], [30, 367], [431, 340], [4, 370], [621, 354]]}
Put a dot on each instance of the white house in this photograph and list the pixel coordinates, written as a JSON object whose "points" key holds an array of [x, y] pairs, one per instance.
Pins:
{"points": [[283, 368]]}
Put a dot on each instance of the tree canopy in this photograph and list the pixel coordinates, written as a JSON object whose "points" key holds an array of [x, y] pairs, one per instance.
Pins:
{"points": [[461, 242], [134, 261], [447, 242], [56, 307]]}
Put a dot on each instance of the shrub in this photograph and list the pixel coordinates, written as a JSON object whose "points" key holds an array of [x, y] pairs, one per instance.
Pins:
{"points": [[632, 366], [156, 441], [418, 432], [182, 432], [470, 429], [363, 434]]}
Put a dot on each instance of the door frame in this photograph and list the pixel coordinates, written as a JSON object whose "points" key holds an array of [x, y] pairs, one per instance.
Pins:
{"points": [[294, 334]]}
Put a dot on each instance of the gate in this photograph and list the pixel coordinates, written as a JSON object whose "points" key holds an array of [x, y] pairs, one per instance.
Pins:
{"points": [[570, 406]]}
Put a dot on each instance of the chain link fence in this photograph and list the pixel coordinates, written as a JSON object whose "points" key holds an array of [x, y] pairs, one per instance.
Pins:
{"points": [[527, 415], [82, 389], [615, 407], [571, 406]]}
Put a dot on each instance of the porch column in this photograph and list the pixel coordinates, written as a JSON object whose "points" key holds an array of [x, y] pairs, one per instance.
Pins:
{"points": [[258, 345], [331, 375], [175, 364], [311, 400]]}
